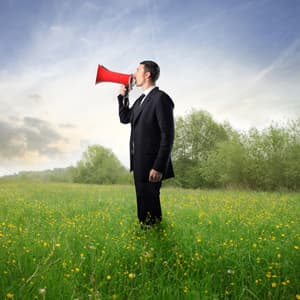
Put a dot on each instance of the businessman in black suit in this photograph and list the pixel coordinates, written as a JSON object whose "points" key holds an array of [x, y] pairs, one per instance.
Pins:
{"points": [[151, 140]]}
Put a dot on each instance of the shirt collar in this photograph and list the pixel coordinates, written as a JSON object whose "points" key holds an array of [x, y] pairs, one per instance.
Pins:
{"points": [[148, 90]]}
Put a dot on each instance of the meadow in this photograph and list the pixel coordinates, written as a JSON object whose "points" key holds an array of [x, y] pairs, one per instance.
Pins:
{"points": [[75, 241]]}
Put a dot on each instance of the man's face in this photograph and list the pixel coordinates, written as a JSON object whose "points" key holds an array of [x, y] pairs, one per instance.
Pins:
{"points": [[140, 75]]}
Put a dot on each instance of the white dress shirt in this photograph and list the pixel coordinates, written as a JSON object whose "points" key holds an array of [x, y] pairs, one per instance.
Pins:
{"points": [[146, 92]]}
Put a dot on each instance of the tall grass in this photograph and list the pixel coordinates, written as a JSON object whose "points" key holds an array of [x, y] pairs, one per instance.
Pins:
{"points": [[67, 241]]}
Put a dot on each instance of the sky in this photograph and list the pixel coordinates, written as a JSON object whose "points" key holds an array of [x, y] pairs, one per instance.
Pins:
{"points": [[237, 60]]}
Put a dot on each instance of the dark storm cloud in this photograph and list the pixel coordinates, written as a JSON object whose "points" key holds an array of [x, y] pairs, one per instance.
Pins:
{"points": [[32, 134]]}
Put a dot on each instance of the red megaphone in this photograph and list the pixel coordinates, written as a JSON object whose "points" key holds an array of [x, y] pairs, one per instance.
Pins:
{"points": [[104, 75]]}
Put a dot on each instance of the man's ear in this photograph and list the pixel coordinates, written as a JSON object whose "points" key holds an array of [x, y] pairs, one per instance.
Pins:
{"points": [[148, 75]]}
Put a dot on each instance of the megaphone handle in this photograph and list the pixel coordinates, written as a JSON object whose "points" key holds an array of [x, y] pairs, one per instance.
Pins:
{"points": [[128, 87], [125, 97], [126, 91], [125, 101]]}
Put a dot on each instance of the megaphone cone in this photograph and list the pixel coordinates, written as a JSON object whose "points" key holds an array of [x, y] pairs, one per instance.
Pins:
{"points": [[105, 75]]}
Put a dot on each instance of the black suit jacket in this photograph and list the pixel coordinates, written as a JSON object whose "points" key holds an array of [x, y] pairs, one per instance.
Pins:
{"points": [[152, 133]]}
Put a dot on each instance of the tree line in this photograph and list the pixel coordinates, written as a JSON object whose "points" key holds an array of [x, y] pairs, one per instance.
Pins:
{"points": [[98, 165], [206, 154]]}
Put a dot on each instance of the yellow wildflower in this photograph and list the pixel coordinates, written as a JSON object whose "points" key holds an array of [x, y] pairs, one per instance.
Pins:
{"points": [[131, 275]]}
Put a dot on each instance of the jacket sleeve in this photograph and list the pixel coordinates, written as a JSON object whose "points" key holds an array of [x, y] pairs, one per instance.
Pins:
{"points": [[124, 110], [164, 113]]}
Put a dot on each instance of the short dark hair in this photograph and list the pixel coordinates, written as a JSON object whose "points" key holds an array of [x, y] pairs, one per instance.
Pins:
{"points": [[153, 68]]}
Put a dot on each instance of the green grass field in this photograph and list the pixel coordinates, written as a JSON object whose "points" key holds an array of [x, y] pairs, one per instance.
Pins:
{"points": [[68, 241]]}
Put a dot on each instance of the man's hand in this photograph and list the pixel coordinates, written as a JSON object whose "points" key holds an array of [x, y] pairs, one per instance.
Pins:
{"points": [[124, 90], [155, 176]]}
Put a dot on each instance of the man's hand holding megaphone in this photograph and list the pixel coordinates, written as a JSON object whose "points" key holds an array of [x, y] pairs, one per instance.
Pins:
{"points": [[125, 89]]}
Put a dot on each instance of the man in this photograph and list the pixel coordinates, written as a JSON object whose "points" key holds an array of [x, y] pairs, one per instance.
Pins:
{"points": [[151, 140]]}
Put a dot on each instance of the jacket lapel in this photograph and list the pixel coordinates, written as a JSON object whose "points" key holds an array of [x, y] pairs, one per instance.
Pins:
{"points": [[138, 109]]}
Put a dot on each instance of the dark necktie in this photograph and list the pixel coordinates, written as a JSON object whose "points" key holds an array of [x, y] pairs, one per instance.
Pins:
{"points": [[141, 99]]}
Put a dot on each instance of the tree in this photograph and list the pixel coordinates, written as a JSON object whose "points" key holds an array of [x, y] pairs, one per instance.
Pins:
{"points": [[196, 136], [225, 165], [99, 165]]}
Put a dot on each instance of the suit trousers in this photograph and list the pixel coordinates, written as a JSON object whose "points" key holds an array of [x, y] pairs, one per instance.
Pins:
{"points": [[148, 201]]}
